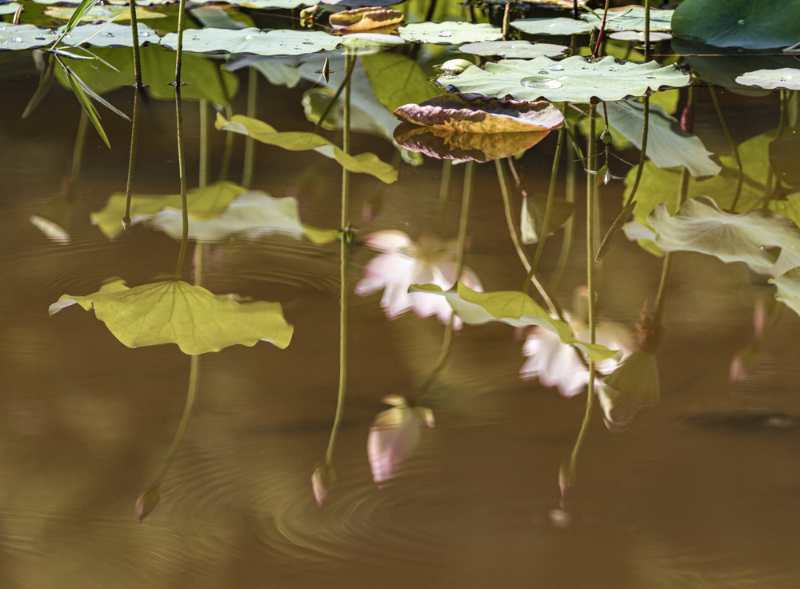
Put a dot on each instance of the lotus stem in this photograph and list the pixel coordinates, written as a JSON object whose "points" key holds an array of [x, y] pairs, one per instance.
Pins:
{"points": [[182, 182], [351, 63], [731, 144], [179, 53], [548, 205], [574, 8], [344, 244], [601, 35], [227, 149], [646, 30], [569, 226], [137, 61], [126, 219], [506, 15], [78, 147], [444, 183], [183, 424], [249, 142], [630, 202]]}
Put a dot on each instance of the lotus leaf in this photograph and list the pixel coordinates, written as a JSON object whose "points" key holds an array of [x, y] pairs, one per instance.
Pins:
{"points": [[364, 163], [750, 24], [450, 33], [553, 26], [786, 78], [512, 308], [466, 114], [513, 49], [573, 79], [254, 41], [176, 312], [631, 18]]}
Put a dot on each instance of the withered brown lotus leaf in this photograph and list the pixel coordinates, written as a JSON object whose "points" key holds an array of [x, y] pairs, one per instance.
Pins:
{"points": [[439, 143], [368, 18], [476, 114]]}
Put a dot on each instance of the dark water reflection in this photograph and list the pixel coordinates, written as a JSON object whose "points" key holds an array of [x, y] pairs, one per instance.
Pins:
{"points": [[700, 491]]}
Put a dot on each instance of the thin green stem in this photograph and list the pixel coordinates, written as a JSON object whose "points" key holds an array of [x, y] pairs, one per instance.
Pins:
{"points": [[344, 244], [602, 34], [731, 144], [126, 219], [249, 142], [646, 30], [179, 52], [182, 182], [348, 74], [202, 176], [227, 150], [137, 62], [548, 205], [444, 183], [78, 147], [569, 226], [506, 18]]}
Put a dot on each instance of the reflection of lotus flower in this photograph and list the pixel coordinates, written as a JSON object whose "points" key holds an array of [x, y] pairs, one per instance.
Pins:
{"points": [[746, 358], [557, 364], [320, 483], [403, 263], [394, 435]]}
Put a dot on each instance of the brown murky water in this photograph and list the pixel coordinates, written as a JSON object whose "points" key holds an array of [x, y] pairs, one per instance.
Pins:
{"points": [[700, 491]]}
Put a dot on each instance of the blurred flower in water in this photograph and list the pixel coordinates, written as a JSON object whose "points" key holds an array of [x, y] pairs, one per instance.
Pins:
{"points": [[321, 480], [394, 435], [403, 262], [745, 359], [556, 364]]}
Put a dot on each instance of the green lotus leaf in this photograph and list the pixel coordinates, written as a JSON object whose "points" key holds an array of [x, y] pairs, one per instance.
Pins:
{"points": [[253, 41], [21, 37], [513, 49], [513, 308], [783, 152], [102, 13], [750, 24], [558, 26], [364, 163], [786, 78], [397, 80], [109, 35], [218, 17], [789, 290], [449, 33], [631, 18], [751, 238], [204, 203], [667, 145], [573, 79], [176, 312], [788, 208], [9, 8]]}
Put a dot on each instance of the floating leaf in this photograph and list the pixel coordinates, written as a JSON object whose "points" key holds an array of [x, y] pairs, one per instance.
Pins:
{"points": [[787, 78], [102, 13], [204, 203], [701, 226], [788, 208], [176, 312], [21, 37], [464, 147], [751, 24], [219, 18], [634, 385], [9, 8], [365, 19], [789, 290], [573, 79], [632, 18], [364, 163], [109, 35], [450, 33], [397, 80], [513, 49], [512, 308], [471, 114], [553, 26], [638, 36], [254, 41], [667, 145], [393, 437]]}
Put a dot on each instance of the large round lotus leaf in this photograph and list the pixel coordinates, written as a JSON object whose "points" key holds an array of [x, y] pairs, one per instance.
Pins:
{"points": [[19, 37], [571, 80], [254, 41], [102, 13], [464, 114], [553, 26], [440, 144], [450, 32], [787, 78], [751, 24], [631, 18], [109, 35], [513, 49]]}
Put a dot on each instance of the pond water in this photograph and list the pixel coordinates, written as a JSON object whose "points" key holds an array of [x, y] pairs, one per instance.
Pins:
{"points": [[475, 479]]}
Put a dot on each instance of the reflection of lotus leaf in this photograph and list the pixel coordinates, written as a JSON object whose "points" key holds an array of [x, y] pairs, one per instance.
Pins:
{"points": [[553, 26], [787, 78], [450, 32], [364, 163], [253, 41], [633, 386], [177, 312], [513, 308], [475, 114], [464, 147], [365, 19], [574, 79], [397, 79], [789, 290], [631, 18], [751, 24], [513, 49]]}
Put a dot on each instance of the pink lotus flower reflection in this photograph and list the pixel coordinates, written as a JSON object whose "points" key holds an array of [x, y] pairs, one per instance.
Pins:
{"points": [[394, 436], [403, 262]]}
